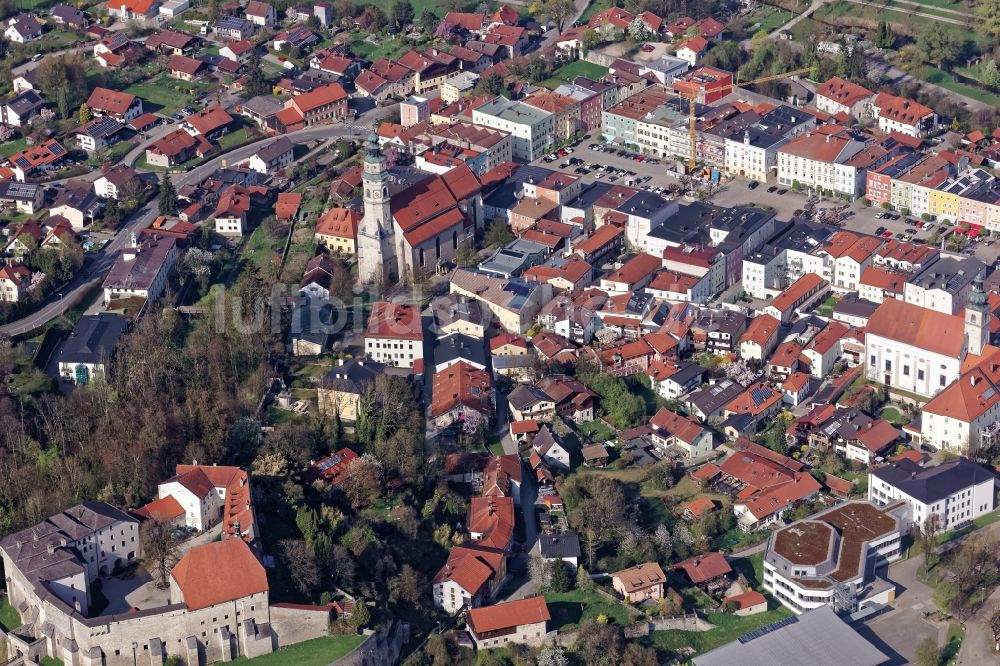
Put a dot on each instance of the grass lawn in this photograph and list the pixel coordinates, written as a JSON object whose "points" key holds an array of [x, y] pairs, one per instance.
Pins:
{"points": [[752, 568], [977, 523], [570, 609], [163, 96], [728, 628], [391, 48], [826, 307], [687, 489], [317, 652], [231, 140], [9, 617], [597, 431], [503, 654], [893, 416], [593, 8], [571, 70], [13, 146], [51, 661], [948, 82]]}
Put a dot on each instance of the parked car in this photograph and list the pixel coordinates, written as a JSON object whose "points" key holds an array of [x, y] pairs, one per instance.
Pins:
{"points": [[647, 48], [752, 184], [773, 188], [880, 231], [783, 191]]}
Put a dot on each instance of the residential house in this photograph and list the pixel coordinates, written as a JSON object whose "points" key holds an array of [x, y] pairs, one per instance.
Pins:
{"points": [[116, 180], [77, 202], [87, 352], [121, 106], [640, 582], [394, 335], [521, 621], [337, 230], [272, 157], [18, 110], [898, 114], [670, 429], [22, 28], [342, 387], [260, 13], [839, 96], [127, 10], [14, 282], [99, 134]]}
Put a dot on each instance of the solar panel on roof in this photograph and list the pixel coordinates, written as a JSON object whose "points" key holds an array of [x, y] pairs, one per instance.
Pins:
{"points": [[760, 395], [763, 631], [22, 162], [57, 149]]}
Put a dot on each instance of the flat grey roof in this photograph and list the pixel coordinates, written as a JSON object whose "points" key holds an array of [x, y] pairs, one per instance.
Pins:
{"points": [[817, 637]]}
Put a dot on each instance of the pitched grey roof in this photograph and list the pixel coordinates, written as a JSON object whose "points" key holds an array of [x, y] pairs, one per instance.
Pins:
{"points": [[566, 544], [458, 346], [932, 484], [27, 102], [352, 376], [817, 637], [275, 149], [93, 339]]}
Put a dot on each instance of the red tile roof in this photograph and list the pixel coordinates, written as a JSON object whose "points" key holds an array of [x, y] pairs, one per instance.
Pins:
{"points": [[398, 321], [287, 205], [184, 65], [110, 101], [900, 109], [703, 568], [209, 119], [843, 92], [919, 327], [339, 222], [164, 509], [508, 615], [761, 330], [460, 384], [217, 572], [493, 518], [746, 600]]}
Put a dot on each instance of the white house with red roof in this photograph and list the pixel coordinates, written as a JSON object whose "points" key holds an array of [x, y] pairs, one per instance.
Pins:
{"points": [[840, 96], [395, 335], [898, 114]]}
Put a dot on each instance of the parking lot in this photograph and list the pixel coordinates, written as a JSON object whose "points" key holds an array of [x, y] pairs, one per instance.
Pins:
{"points": [[659, 175]]}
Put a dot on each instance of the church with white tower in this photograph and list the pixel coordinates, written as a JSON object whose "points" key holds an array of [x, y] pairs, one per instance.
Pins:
{"points": [[418, 228]]}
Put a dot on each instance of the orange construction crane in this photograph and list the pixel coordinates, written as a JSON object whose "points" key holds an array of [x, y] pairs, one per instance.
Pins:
{"points": [[692, 151]]}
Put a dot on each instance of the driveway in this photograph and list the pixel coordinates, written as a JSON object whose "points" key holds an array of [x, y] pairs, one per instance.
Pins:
{"points": [[899, 631]]}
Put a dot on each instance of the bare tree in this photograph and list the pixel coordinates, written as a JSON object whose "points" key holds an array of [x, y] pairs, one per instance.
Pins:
{"points": [[159, 549], [994, 624]]}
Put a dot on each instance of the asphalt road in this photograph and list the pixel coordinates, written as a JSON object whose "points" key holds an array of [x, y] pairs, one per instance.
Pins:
{"points": [[101, 262]]}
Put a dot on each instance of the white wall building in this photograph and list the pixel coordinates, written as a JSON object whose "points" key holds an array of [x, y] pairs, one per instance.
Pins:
{"points": [[956, 491]]}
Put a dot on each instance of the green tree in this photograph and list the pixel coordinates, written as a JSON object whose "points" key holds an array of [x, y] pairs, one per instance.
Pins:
{"points": [[84, 114], [498, 234], [168, 197], [402, 14], [559, 578], [256, 83], [491, 84], [64, 79], [945, 594], [988, 12], [939, 45], [428, 20], [885, 38], [989, 73], [361, 615]]}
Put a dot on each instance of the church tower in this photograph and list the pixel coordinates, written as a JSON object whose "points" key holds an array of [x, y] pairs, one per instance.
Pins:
{"points": [[977, 318], [375, 249]]}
